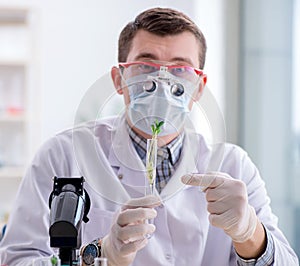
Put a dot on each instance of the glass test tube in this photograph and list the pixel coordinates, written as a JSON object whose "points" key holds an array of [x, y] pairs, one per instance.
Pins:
{"points": [[151, 159]]}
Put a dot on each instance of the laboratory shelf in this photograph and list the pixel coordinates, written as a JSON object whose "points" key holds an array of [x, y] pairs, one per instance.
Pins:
{"points": [[6, 62], [18, 98], [12, 118]]}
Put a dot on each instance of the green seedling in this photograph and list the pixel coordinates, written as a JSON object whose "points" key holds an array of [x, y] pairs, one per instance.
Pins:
{"points": [[156, 128], [54, 261]]}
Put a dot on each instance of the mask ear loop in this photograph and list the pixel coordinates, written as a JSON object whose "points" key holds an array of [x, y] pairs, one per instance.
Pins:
{"points": [[123, 81]]}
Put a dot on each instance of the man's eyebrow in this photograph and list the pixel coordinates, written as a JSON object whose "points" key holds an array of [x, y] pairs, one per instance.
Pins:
{"points": [[151, 56], [146, 56], [182, 59]]}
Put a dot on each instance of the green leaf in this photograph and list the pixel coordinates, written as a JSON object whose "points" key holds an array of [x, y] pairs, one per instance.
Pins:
{"points": [[153, 128], [54, 260], [156, 127]]}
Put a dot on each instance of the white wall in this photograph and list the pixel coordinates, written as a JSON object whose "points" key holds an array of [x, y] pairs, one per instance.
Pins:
{"points": [[210, 16], [266, 112], [296, 68]]}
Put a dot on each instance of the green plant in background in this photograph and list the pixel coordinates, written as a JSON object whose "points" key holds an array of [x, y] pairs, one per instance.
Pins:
{"points": [[54, 261]]}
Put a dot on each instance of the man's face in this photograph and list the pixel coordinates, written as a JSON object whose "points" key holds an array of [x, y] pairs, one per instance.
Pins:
{"points": [[173, 50], [181, 49]]}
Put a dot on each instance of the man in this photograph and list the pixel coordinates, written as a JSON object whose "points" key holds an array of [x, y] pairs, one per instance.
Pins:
{"points": [[197, 216]]}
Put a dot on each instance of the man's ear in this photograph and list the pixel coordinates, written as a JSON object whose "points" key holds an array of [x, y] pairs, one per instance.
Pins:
{"points": [[201, 87], [116, 78]]}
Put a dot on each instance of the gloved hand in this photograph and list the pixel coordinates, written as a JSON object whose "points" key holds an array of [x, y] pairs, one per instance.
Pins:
{"points": [[128, 233], [227, 203]]}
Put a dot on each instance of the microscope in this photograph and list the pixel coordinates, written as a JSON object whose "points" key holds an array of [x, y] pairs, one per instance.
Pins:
{"points": [[69, 205]]}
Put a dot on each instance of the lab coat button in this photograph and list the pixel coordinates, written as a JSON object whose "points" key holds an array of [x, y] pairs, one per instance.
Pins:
{"points": [[120, 176], [160, 153], [168, 256]]}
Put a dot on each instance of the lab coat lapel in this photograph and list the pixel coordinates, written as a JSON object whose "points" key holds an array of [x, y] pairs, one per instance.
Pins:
{"points": [[95, 167], [123, 156]]}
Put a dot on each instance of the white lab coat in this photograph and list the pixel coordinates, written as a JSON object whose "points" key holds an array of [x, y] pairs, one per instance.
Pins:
{"points": [[105, 156]]}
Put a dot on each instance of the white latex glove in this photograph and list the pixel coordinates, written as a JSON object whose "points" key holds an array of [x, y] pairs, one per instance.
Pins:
{"points": [[128, 233], [227, 203]]}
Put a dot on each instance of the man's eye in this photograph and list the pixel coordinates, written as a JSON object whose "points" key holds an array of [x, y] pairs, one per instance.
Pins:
{"points": [[146, 68], [178, 71]]}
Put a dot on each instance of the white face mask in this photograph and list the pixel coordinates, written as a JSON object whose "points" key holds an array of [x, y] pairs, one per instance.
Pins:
{"points": [[159, 98]]}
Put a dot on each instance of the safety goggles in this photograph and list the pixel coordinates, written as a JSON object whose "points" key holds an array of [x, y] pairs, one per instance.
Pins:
{"points": [[138, 68]]}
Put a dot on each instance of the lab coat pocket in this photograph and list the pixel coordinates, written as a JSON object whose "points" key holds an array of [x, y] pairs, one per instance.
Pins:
{"points": [[99, 224]]}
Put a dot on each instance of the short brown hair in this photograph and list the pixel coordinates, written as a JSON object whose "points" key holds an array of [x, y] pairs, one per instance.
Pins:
{"points": [[162, 22]]}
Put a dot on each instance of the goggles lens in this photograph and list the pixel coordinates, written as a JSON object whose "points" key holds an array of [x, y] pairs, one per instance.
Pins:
{"points": [[138, 68]]}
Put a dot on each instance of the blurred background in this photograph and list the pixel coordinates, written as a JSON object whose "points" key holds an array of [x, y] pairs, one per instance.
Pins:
{"points": [[51, 52]]}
